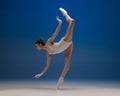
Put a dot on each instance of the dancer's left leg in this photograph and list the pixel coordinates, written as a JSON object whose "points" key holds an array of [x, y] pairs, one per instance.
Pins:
{"points": [[68, 53]]}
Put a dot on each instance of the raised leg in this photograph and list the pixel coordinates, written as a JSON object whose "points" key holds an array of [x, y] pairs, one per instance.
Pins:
{"points": [[68, 53], [69, 32]]}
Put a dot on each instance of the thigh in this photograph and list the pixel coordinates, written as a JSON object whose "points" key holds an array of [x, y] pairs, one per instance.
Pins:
{"points": [[68, 53]]}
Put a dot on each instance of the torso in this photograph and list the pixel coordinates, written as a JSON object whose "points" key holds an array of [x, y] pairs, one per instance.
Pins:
{"points": [[48, 48], [58, 47]]}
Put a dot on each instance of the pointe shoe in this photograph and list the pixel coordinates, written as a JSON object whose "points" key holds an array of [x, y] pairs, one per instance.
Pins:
{"points": [[64, 12], [60, 82]]}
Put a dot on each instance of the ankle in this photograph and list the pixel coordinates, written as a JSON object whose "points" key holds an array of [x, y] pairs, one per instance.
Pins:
{"points": [[61, 77], [69, 19]]}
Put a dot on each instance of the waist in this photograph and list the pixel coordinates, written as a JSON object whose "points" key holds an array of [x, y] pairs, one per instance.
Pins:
{"points": [[59, 47]]}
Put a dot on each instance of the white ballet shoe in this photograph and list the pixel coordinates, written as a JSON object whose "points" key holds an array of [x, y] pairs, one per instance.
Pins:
{"points": [[60, 82], [64, 12]]}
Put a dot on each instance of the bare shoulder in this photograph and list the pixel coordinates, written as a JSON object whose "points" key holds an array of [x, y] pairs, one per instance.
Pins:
{"points": [[49, 42]]}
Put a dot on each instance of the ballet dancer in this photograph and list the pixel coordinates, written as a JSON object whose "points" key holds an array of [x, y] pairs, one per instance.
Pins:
{"points": [[64, 45]]}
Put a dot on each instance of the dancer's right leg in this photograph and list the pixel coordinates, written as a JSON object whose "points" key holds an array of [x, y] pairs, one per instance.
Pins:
{"points": [[69, 32], [64, 12]]}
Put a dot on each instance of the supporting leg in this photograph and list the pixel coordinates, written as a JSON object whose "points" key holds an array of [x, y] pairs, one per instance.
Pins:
{"points": [[68, 53]]}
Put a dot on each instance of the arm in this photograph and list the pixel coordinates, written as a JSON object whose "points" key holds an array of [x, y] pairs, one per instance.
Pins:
{"points": [[45, 69], [48, 64], [57, 30]]}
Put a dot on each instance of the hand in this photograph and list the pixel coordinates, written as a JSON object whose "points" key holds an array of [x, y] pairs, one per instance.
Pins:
{"points": [[58, 19], [38, 75]]}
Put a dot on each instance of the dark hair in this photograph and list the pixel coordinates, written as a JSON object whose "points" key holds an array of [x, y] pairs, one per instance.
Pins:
{"points": [[40, 41]]}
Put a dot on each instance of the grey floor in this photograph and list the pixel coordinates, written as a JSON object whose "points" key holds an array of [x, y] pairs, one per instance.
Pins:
{"points": [[71, 88]]}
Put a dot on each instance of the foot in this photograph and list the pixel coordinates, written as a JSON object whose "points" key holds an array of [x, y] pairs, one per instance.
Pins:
{"points": [[64, 12], [60, 82]]}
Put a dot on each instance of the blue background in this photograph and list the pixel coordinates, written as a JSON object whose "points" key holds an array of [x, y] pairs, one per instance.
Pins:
{"points": [[96, 53]]}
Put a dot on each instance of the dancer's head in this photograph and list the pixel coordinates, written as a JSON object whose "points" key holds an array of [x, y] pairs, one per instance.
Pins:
{"points": [[40, 44]]}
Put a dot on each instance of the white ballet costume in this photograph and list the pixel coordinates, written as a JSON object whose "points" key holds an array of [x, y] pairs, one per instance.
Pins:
{"points": [[59, 47]]}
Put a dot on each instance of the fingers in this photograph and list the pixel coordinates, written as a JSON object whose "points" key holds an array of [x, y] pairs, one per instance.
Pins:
{"points": [[38, 75], [58, 19]]}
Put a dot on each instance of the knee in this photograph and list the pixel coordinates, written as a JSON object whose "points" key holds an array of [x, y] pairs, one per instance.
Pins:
{"points": [[67, 67]]}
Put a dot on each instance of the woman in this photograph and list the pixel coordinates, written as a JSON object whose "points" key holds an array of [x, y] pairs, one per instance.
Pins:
{"points": [[64, 45]]}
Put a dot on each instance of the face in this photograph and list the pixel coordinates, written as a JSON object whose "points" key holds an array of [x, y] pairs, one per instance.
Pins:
{"points": [[39, 46]]}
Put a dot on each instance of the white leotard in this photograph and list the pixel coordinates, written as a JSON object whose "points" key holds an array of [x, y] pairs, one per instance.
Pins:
{"points": [[59, 47]]}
